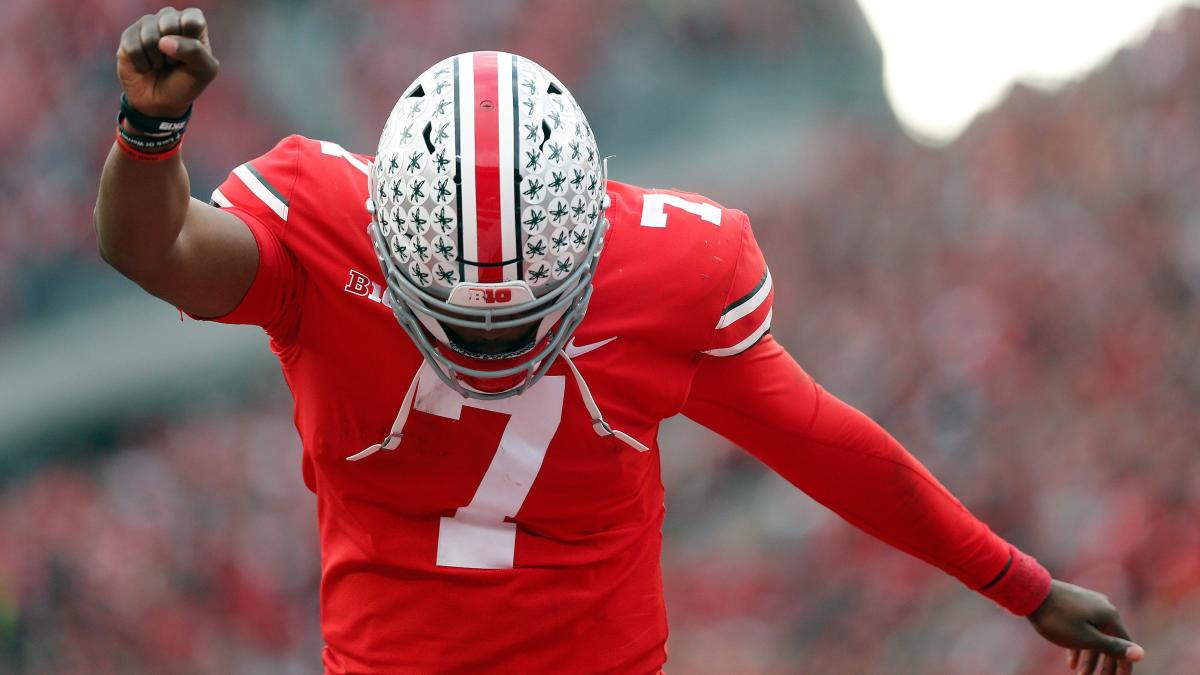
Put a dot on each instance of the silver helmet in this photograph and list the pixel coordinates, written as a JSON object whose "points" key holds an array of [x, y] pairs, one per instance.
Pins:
{"points": [[487, 202]]}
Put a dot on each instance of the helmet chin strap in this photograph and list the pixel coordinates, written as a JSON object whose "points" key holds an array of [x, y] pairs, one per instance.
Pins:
{"points": [[599, 425], [392, 440]]}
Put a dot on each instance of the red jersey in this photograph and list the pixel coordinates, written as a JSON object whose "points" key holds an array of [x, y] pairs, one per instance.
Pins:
{"points": [[507, 536]]}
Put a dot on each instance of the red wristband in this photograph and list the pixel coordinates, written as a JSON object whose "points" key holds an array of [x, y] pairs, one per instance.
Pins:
{"points": [[147, 156], [1021, 587]]}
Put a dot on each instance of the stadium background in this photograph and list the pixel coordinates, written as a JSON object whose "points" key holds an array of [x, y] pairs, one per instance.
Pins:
{"points": [[1019, 308]]}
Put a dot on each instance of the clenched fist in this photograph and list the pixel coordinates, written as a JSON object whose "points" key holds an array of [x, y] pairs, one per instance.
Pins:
{"points": [[165, 61]]}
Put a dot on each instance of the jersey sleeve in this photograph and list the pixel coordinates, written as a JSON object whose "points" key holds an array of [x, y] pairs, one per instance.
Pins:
{"points": [[259, 193], [764, 402], [746, 313]]}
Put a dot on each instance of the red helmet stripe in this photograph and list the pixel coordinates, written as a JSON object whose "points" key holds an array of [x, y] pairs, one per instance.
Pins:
{"points": [[510, 189], [489, 235]]}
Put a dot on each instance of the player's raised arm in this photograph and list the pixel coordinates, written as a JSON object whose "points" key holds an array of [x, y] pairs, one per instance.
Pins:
{"points": [[149, 228]]}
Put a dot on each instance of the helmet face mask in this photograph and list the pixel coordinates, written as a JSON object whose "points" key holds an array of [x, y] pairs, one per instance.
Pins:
{"points": [[491, 345], [458, 245]]}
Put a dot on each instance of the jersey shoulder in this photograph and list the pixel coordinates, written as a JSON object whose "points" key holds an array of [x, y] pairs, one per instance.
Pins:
{"points": [[294, 181], [673, 229], [698, 261], [308, 198], [654, 208]]}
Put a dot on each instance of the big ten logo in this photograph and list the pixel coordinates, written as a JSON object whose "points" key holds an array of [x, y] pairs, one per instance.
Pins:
{"points": [[362, 286], [359, 284], [489, 296]]}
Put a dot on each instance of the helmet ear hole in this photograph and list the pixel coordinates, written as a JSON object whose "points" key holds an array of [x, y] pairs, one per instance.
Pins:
{"points": [[553, 89], [427, 134], [419, 92]]}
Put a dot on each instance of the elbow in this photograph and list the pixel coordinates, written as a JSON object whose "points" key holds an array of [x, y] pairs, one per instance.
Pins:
{"points": [[125, 265], [104, 251], [99, 235], [108, 258], [113, 253]]}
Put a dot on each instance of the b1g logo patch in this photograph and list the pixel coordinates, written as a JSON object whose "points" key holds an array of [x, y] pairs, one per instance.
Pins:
{"points": [[490, 295], [359, 283], [362, 286]]}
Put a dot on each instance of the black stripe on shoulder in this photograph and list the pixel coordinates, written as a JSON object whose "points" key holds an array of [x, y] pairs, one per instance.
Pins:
{"points": [[267, 184], [745, 298]]}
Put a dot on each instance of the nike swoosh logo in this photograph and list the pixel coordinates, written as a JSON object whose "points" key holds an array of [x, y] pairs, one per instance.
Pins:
{"points": [[574, 351]]}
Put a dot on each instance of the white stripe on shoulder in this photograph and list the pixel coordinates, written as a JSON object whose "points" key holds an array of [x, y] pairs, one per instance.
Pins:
{"points": [[746, 308], [744, 344], [220, 199], [261, 191], [331, 148]]}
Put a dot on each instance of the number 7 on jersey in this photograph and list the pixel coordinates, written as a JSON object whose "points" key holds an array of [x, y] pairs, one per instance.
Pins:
{"points": [[654, 213], [478, 536]]}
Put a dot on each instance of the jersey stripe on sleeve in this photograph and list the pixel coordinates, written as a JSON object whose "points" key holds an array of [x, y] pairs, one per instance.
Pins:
{"points": [[263, 189], [746, 317], [745, 305], [264, 186], [746, 342]]}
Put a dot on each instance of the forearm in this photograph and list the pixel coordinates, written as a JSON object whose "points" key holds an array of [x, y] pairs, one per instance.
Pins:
{"points": [[856, 469], [164, 62], [845, 461], [140, 210]]}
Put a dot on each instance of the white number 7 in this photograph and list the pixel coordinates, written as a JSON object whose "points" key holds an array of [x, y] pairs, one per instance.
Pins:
{"points": [[654, 215], [478, 536]]}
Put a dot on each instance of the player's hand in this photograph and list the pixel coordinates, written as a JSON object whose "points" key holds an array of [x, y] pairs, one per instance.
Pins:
{"points": [[1088, 625], [165, 61]]}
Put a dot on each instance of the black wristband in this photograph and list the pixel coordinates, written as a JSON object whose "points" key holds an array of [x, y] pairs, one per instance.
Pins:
{"points": [[154, 126]]}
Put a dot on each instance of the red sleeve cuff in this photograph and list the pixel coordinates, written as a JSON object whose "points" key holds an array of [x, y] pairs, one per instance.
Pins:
{"points": [[1021, 586]]}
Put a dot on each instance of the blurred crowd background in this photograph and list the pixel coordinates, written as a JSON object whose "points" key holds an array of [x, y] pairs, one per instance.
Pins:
{"points": [[1019, 308]]}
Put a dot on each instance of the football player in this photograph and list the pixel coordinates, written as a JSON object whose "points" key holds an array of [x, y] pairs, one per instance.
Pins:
{"points": [[483, 333]]}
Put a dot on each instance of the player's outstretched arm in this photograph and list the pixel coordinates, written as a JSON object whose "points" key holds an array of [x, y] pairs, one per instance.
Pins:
{"points": [[180, 249], [764, 402]]}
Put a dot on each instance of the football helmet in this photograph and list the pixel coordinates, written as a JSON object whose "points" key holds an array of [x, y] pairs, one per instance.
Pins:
{"points": [[487, 199]]}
